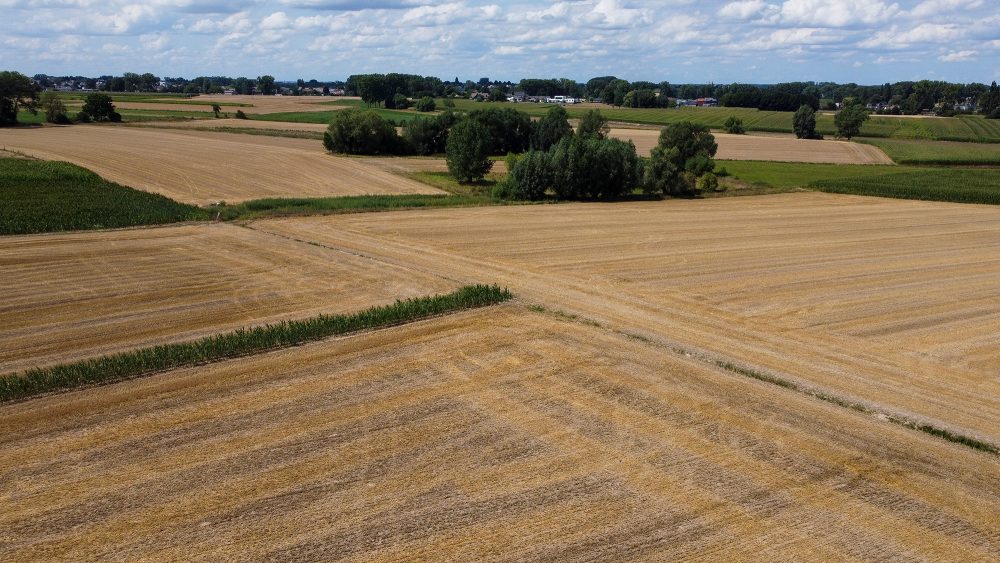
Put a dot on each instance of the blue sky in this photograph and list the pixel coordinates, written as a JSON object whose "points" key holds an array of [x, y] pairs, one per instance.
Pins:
{"points": [[758, 41]]}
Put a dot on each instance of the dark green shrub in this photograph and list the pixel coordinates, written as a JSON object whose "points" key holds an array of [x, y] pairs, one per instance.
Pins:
{"points": [[99, 107], [593, 125], [734, 126], [468, 150], [426, 104], [530, 177], [509, 129], [361, 131], [551, 129], [593, 168], [684, 153]]}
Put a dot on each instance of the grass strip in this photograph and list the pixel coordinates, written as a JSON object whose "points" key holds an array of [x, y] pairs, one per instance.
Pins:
{"points": [[241, 342], [44, 196], [285, 207]]}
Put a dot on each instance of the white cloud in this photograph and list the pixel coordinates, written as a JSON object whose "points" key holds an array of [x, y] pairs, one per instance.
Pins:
{"points": [[745, 10], [934, 8], [840, 13], [958, 56]]}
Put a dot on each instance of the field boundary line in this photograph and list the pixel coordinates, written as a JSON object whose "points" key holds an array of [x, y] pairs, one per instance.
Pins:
{"points": [[744, 370], [239, 343]]}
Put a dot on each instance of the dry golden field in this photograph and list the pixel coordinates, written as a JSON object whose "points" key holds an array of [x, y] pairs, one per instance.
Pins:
{"points": [[234, 124], [76, 295], [205, 167], [259, 104], [486, 435], [770, 147], [886, 302]]}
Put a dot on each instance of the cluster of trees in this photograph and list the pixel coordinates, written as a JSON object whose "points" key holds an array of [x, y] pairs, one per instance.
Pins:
{"points": [[17, 92], [551, 87], [848, 120], [780, 97], [388, 89], [589, 165]]}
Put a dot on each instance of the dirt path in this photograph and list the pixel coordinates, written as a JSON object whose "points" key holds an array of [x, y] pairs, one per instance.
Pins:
{"points": [[203, 167], [770, 147], [488, 435]]}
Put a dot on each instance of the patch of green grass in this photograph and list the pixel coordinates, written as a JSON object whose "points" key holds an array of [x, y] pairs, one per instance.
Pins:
{"points": [[447, 182], [284, 207], [325, 117], [41, 196], [959, 185], [242, 342], [943, 153], [27, 118], [799, 174]]}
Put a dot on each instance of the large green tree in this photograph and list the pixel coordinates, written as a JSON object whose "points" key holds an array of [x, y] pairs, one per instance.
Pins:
{"points": [[17, 92], [99, 107], [593, 125], [849, 120], [551, 128], [990, 102], [804, 122], [468, 151], [683, 154], [54, 108], [266, 84]]}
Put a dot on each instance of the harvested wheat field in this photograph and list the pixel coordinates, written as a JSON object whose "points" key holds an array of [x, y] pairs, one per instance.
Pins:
{"points": [[770, 147], [496, 434], [233, 124], [888, 303], [203, 167], [254, 104], [70, 296]]}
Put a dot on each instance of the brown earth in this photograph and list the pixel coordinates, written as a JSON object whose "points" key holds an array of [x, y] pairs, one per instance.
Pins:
{"points": [[886, 302], [70, 296], [205, 167], [497, 434], [770, 147]]}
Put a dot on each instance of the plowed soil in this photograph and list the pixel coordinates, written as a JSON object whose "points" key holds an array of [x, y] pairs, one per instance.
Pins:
{"points": [[489, 435], [204, 167], [71, 296], [886, 302], [770, 147]]}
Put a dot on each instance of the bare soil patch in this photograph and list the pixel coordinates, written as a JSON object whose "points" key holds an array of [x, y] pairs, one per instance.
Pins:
{"points": [[891, 303], [77, 295], [500, 434], [770, 147], [204, 167]]}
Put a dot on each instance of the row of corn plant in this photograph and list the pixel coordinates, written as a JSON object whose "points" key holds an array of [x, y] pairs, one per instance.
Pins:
{"points": [[241, 342]]}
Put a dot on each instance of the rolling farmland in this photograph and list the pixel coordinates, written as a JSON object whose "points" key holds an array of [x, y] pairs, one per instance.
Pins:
{"points": [[885, 302], [483, 435], [200, 167], [71, 296]]}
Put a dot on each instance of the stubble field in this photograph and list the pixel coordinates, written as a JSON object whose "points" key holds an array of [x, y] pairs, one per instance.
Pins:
{"points": [[501, 434], [770, 147], [203, 167], [78, 295], [883, 302]]}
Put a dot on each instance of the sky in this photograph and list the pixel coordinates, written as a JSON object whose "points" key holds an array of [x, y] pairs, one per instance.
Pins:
{"points": [[682, 41]]}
